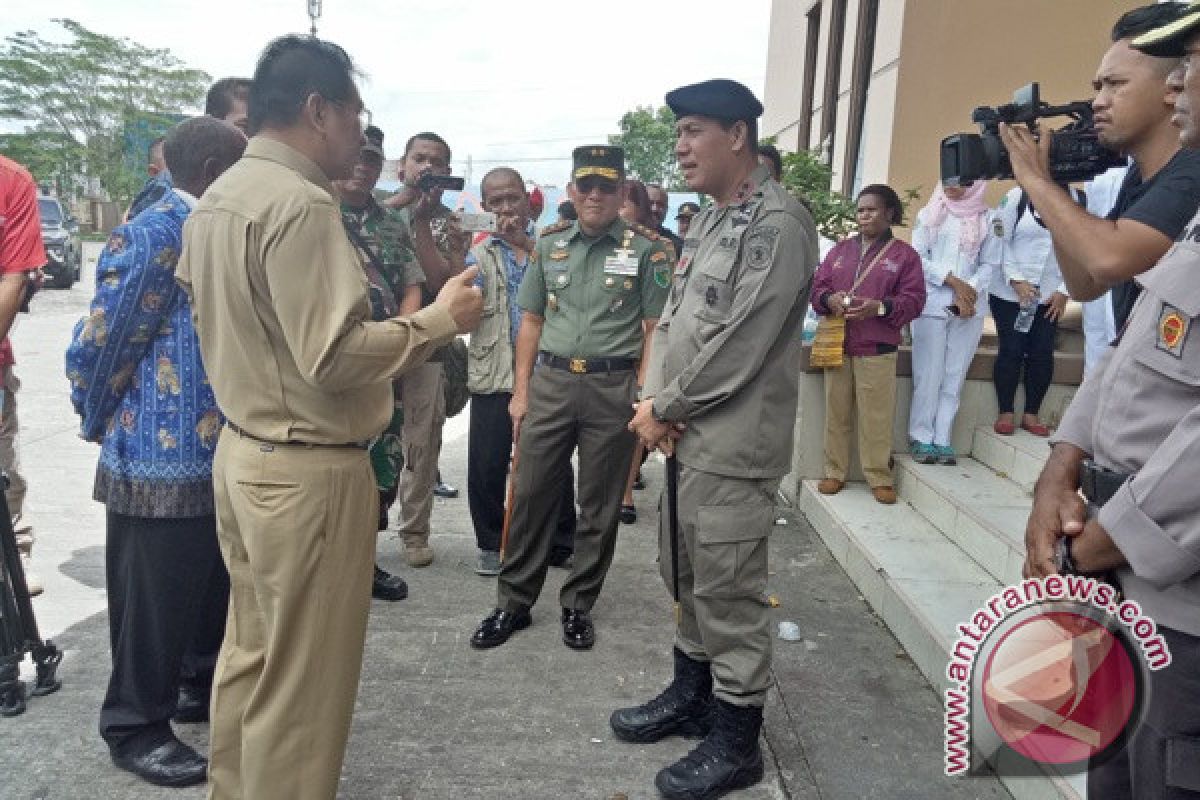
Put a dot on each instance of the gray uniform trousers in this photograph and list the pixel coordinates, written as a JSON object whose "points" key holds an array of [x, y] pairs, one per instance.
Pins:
{"points": [[724, 524], [566, 411]]}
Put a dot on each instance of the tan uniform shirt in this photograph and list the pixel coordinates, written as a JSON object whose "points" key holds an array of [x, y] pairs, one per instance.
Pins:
{"points": [[725, 356], [1139, 413], [280, 303]]}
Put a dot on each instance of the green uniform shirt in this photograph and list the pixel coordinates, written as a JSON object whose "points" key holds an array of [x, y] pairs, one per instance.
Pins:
{"points": [[594, 293]]}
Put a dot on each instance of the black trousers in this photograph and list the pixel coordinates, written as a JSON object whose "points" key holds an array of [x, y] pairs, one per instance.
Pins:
{"points": [[1033, 352], [1161, 759], [168, 593], [489, 443]]}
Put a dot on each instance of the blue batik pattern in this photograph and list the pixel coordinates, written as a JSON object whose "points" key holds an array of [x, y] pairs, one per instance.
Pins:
{"points": [[137, 381]]}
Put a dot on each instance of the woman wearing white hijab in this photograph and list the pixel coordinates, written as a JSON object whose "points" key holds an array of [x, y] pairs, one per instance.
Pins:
{"points": [[949, 234]]}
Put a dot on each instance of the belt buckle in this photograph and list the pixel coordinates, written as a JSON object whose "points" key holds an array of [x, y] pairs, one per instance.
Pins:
{"points": [[578, 366]]}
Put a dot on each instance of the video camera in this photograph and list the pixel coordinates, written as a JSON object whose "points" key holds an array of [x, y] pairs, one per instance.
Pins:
{"points": [[1075, 151]]}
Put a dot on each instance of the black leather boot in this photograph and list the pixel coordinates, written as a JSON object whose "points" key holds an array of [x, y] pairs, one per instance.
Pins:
{"points": [[684, 708], [727, 759]]}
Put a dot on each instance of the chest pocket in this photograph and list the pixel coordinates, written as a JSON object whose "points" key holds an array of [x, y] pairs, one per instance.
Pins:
{"points": [[712, 286]]}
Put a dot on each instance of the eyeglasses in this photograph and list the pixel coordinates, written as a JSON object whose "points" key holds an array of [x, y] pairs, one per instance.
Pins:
{"points": [[592, 182], [364, 115]]}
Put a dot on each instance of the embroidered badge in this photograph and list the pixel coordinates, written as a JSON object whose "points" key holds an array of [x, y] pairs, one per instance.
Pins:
{"points": [[662, 275], [559, 255], [1172, 330], [760, 247], [657, 257], [998, 228]]}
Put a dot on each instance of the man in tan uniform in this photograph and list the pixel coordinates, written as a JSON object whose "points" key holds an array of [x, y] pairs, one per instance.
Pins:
{"points": [[721, 393], [304, 378]]}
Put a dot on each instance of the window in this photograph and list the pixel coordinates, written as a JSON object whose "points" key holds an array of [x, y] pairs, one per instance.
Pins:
{"points": [[812, 43], [860, 82], [833, 69]]}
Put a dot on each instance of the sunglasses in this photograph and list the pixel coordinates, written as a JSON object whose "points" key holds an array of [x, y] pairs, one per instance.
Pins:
{"points": [[590, 183]]}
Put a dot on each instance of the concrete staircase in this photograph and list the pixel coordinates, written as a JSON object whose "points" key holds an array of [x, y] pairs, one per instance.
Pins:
{"points": [[928, 562]]}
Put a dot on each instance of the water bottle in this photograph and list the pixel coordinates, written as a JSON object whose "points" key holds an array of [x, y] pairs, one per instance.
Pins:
{"points": [[1026, 314]]}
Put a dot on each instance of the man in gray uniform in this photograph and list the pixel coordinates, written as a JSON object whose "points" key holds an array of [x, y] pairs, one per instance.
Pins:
{"points": [[1131, 441], [721, 392]]}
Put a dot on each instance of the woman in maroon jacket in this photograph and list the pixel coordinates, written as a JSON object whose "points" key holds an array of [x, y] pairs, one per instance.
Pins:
{"points": [[876, 282]]}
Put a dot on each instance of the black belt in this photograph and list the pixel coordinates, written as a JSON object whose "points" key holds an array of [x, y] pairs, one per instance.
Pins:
{"points": [[1098, 483], [586, 366], [245, 435]]}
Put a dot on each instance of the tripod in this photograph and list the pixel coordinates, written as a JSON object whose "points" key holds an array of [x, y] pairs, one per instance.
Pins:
{"points": [[18, 627]]}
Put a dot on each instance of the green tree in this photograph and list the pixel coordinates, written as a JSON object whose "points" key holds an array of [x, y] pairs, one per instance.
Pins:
{"points": [[51, 157], [648, 137], [99, 93]]}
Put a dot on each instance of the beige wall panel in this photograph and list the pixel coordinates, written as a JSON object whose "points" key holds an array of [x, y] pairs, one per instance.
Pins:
{"points": [[785, 69], [958, 54]]}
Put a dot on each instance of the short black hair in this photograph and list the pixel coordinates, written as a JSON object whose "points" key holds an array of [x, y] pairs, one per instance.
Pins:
{"points": [[373, 134], [1146, 18], [566, 210], [772, 154], [221, 95], [426, 136], [891, 200], [290, 69], [194, 141], [499, 172]]}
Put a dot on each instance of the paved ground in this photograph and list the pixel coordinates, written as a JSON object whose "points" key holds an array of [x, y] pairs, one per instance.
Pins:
{"points": [[849, 717]]}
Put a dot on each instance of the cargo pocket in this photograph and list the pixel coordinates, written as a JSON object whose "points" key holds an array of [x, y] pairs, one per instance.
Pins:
{"points": [[1183, 767], [731, 550]]}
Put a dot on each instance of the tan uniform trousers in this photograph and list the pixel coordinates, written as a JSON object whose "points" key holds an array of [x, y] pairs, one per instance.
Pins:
{"points": [[296, 526], [724, 523], [424, 397], [10, 461], [868, 384]]}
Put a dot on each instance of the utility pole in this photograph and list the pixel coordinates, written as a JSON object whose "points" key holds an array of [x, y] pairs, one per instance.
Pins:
{"points": [[314, 12]]}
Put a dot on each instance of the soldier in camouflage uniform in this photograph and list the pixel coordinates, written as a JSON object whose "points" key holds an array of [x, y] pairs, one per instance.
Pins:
{"points": [[393, 281]]}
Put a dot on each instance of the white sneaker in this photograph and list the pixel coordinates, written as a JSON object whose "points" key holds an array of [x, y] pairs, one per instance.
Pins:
{"points": [[32, 582]]}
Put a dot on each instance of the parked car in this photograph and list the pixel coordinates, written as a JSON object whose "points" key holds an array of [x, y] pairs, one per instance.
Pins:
{"points": [[60, 234]]}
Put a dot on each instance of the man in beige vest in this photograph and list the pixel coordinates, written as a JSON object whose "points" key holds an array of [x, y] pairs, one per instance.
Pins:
{"points": [[502, 259], [304, 378]]}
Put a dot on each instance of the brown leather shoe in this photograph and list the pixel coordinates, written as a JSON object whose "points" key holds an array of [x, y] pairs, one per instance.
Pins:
{"points": [[830, 486], [884, 494]]}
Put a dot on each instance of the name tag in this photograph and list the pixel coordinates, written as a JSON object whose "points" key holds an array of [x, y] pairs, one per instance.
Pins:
{"points": [[620, 265]]}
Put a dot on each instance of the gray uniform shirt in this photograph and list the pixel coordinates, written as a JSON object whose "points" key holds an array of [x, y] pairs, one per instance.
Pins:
{"points": [[726, 352], [1139, 413]]}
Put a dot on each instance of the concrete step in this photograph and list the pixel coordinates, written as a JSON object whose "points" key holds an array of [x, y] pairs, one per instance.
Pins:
{"points": [[1019, 457], [982, 513], [919, 582]]}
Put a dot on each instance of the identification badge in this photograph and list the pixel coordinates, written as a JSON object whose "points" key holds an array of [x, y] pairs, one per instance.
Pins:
{"points": [[623, 262], [1172, 330]]}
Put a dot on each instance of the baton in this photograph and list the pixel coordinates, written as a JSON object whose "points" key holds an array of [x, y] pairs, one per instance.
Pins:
{"points": [[508, 503], [673, 523]]}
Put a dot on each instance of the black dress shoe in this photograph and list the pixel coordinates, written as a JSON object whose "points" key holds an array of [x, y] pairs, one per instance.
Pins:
{"points": [[498, 626], [192, 705], [386, 586], [628, 515], [171, 763], [445, 490], [578, 631]]}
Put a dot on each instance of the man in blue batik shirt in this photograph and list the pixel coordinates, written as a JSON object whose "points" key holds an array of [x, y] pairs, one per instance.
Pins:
{"points": [[502, 259], [140, 389]]}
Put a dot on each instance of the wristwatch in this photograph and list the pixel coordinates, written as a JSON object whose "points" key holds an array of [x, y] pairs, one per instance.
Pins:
{"points": [[883, 309]]}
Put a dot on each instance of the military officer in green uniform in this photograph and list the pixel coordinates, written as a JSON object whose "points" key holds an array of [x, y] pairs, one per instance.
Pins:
{"points": [[394, 285], [590, 298], [721, 393]]}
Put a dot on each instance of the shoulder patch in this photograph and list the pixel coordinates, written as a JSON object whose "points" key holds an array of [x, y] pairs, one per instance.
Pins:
{"points": [[557, 227], [760, 246]]}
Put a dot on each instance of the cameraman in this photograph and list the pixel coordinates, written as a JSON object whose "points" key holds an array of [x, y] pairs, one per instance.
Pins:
{"points": [[1133, 110]]}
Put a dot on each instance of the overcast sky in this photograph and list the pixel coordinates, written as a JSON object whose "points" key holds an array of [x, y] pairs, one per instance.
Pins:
{"points": [[502, 81]]}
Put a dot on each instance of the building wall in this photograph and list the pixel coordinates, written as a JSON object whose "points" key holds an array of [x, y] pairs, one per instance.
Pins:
{"points": [[933, 62]]}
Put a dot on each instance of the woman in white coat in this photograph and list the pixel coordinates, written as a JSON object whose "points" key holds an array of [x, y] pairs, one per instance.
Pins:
{"points": [[950, 235]]}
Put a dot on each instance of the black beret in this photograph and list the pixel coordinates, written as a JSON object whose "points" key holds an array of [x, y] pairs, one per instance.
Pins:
{"points": [[719, 98], [1170, 40]]}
